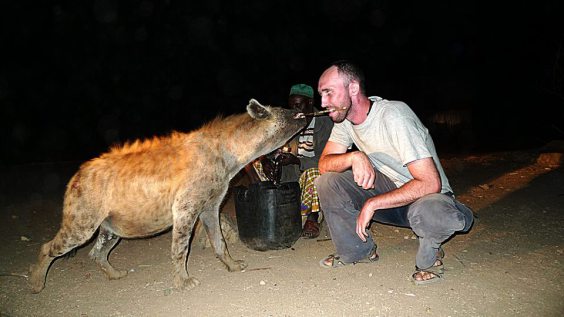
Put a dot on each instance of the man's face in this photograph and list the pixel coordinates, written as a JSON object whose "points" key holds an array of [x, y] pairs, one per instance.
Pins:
{"points": [[300, 103], [334, 94]]}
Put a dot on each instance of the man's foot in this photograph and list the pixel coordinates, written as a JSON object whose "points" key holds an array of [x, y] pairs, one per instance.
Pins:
{"points": [[311, 229], [440, 254], [429, 275], [334, 261]]}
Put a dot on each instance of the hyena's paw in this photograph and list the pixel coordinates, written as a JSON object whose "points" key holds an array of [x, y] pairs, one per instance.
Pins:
{"points": [[36, 280], [115, 274], [110, 272], [238, 265], [185, 283]]}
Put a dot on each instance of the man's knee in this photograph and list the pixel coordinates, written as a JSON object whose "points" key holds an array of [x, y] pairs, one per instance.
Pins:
{"points": [[435, 214], [330, 191], [326, 182]]}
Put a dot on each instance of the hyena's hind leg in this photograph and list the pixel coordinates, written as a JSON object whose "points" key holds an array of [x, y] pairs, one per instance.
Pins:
{"points": [[105, 242], [211, 222], [74, 231]]}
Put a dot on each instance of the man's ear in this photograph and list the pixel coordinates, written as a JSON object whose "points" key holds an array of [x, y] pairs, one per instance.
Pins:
{"points": [[354, 88], [256, 110]]}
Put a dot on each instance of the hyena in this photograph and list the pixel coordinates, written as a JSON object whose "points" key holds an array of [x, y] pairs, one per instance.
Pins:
{"points": [[143, 188]]}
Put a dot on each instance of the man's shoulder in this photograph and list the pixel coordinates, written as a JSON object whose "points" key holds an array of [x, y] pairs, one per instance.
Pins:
{"points": [[393, 107]]}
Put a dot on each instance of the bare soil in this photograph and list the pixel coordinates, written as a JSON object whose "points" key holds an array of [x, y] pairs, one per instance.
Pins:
{"points": [[509, 264]]}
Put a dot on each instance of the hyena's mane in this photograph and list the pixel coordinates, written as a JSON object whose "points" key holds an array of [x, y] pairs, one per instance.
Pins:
{"points": [[146, 144], [222, 128], [217, 129]]}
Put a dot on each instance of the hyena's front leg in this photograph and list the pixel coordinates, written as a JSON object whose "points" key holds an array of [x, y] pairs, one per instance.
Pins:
{"points": [[183, 217], [210, 219]]}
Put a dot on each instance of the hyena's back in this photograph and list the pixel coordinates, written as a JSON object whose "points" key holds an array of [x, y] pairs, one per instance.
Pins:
{"points": [[133, 188]]}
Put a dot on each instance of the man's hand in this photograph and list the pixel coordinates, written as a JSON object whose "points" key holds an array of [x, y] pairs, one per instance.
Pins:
{"points": [[269, 169], [286, 158], [363, 171], [363, 220]]}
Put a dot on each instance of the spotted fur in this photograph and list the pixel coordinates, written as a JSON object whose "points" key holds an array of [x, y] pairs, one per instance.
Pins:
{"points": [[143, 188]]}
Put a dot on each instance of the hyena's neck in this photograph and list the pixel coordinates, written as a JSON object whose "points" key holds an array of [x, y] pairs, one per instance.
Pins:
{"points": [[238, 139]]}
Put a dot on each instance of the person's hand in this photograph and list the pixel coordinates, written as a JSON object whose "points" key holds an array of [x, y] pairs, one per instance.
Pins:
{"points": [[363, 171], [286, 158], [269, 169], [363, 220]]}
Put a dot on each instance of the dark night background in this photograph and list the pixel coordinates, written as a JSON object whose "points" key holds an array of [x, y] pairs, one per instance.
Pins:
{"points": [[79, 76]]}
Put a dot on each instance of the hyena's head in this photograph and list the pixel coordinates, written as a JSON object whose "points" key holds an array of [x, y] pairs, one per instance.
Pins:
{"points": [[275, 126]]}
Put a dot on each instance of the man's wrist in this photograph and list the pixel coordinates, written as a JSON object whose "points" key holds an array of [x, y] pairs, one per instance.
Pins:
{"points": [[372, 204], [354, 156]]}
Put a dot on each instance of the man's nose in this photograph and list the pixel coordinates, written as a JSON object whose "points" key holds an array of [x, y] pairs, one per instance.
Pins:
{"points": [[324, 101]]}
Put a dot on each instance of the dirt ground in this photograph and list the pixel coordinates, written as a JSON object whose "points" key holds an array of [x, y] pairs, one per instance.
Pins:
{"points": [[509, 264]]}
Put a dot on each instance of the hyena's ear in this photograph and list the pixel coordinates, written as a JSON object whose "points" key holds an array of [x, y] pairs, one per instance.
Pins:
{"points": [[257, 111]]}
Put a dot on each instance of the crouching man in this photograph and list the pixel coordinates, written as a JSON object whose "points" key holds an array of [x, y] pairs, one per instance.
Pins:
{"points": [[395, 177]]}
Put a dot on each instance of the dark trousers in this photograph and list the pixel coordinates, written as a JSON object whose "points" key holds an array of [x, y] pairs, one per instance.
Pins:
{"points": [[433, 218]]}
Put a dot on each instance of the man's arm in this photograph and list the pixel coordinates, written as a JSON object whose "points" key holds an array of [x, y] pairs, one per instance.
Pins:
{"points": [[336, 159], [426, 180]]}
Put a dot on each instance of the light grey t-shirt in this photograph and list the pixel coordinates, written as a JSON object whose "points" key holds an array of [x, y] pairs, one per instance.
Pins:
{"points": [[392, 136]]}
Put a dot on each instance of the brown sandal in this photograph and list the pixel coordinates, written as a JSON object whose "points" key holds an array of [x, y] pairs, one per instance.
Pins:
{"points": [[434, 273], [334, 261]]}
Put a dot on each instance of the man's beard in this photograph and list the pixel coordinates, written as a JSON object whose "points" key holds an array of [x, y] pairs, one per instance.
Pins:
{"points": [[342, 114]]}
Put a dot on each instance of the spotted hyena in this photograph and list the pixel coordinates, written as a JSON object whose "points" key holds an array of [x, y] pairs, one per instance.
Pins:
{"points": [[144, 188]]}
